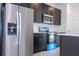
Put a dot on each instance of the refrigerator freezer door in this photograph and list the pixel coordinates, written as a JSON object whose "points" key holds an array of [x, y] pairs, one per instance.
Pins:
{"points": [[11, 47], [26, 31]]}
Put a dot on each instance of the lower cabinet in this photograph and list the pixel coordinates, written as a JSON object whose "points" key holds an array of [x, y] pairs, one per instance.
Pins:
{"points": [[69, 45]]}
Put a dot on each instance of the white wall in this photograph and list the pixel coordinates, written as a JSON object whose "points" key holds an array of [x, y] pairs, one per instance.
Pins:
{"points": [[58, 28], [73, 18]]}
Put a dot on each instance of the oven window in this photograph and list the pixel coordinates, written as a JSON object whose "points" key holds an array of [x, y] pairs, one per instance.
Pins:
{"points": [[51, 38]]}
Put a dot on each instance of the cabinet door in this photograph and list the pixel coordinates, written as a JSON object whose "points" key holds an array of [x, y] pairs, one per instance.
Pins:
{"points": [[37, 12], [57, 17], [44, 9], [69, 46]]}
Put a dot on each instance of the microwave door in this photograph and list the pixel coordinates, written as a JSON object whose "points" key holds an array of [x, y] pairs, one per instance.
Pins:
{"points": [[47, 18]]}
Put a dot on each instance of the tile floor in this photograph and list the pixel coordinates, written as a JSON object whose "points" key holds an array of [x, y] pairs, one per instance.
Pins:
{"points": [[55, 52]]}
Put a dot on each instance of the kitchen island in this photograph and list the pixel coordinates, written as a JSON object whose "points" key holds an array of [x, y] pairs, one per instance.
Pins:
{"points": [[69, 44]]}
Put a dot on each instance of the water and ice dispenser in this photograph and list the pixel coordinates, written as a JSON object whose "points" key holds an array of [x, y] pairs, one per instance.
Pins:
{"points": [[12, 30]]}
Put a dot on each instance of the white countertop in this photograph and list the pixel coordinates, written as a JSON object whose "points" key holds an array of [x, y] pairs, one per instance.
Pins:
{"points": [[70, 35]]}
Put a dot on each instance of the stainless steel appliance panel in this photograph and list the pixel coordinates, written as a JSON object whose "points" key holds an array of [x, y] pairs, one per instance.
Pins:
{"points": [[26, 31], [11, 46]]}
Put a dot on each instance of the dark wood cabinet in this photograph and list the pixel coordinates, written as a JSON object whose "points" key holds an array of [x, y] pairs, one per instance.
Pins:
{"points": [[37, 12], [44, 9], [57, 16]]}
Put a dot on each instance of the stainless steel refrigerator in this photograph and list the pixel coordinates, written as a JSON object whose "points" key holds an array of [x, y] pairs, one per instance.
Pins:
{"points": [[18, 30]]}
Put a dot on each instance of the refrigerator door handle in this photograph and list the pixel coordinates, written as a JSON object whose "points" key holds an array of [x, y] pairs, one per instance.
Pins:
{"points": [[19, 27], [17, 41]]}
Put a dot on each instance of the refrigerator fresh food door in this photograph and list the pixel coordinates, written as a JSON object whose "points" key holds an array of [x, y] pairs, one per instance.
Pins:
{"points": [[26, 31]]}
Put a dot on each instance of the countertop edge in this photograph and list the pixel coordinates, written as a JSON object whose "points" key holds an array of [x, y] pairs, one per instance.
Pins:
{"points": [[69, 35]]}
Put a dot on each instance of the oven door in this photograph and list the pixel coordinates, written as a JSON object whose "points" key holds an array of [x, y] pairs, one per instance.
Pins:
{"points": [[51, 43], [52, 38]]}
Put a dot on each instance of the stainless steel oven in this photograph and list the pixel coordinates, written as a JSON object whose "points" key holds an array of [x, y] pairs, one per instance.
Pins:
{"points": [[51, 41]]}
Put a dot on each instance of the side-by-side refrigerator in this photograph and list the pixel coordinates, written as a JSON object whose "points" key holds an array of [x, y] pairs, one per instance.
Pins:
{"points": [[18, 30]]}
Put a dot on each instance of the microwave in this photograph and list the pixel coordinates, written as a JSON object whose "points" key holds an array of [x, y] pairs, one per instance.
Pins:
{"points": [[47, 18]]}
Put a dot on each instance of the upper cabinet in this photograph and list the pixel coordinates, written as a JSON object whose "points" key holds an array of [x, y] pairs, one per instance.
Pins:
{"points": [[57, 16], [37, 12], [40, 9], [46, 9]]}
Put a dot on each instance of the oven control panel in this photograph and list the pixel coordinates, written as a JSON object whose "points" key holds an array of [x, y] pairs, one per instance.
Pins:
{"points": [[43, 29]]}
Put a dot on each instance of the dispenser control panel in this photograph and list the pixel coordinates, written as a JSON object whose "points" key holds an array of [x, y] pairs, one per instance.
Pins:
{"points": [[12, 29]]}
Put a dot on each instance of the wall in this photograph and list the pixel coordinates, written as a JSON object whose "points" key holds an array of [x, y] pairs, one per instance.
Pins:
{"points": [[57, 28], [73, 18]]}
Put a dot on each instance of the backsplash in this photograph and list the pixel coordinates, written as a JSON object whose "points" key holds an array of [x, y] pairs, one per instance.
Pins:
{"points": [[52, 28]]}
